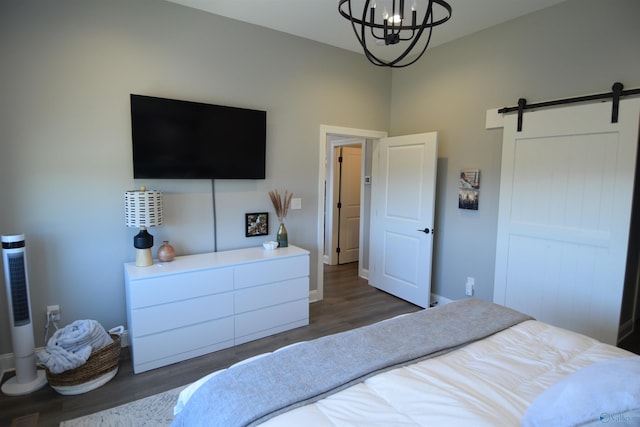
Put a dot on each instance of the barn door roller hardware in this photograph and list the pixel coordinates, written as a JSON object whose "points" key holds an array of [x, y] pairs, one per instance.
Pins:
{"points": [[616, 93]]}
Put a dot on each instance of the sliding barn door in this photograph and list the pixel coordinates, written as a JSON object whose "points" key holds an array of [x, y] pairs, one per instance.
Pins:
{"points": [[565, 204]]}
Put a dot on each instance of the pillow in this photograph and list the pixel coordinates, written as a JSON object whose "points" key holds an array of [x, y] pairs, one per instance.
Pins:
{"points": [[605, 392]]}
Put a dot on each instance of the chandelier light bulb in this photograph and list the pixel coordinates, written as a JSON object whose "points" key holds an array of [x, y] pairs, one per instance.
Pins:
{"points": [[395, 19]]}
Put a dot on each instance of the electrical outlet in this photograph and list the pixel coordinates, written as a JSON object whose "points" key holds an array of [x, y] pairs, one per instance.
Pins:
{"points": [[53, 312], [470, 286]]}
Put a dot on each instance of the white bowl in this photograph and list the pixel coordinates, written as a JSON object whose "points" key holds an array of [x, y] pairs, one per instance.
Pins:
{"points": [[270, 245]]}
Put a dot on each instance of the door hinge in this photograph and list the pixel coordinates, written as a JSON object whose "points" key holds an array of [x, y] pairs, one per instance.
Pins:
{"points": [[339, 205], [338, 250]]}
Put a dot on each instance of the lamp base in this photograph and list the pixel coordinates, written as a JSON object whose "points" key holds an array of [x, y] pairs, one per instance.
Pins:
{"points": [[144, 257]]}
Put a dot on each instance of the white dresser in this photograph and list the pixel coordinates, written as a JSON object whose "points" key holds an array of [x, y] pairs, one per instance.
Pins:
{"points": [[201, 303]]}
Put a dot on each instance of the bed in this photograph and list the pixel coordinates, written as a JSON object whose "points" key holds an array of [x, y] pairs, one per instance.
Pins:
{"points": [[467, 363]]}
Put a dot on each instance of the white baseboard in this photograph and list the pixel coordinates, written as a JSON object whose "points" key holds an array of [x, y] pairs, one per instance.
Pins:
{"points": [[313, 296], [7, 363], [437, 300]]}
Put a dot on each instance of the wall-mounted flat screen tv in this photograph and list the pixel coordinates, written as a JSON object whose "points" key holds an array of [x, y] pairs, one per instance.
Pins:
{"points": [[175, 139]]}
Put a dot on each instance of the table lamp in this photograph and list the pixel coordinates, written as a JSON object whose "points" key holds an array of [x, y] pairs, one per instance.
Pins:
{"points": [[143, 208]]}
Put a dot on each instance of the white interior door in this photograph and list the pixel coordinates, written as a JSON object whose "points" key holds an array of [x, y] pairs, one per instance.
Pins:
{"points": [[403, 196], [349, 204], [565, 204]]}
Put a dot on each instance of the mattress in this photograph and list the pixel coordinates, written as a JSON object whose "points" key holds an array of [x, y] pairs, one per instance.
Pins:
{"points": [[490, 382]]}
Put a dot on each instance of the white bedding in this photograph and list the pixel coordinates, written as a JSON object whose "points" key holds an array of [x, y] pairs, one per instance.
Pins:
{"points": [[487, 383]]}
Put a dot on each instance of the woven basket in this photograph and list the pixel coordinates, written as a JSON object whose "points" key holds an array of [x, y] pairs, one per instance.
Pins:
{"points": [[98, 364]]}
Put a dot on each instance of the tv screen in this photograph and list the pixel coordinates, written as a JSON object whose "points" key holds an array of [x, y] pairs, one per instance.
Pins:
{"points": [[175, 139]]}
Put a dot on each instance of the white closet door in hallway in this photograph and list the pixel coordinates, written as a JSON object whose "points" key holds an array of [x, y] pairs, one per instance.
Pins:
{"points": [[348, 182]]}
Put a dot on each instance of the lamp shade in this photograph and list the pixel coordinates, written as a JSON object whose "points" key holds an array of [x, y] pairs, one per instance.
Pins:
{"points": [[143, 208]]}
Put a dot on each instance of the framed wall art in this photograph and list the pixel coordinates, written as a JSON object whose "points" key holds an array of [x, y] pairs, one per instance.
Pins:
{"points": [[469, 189], [256, 224]]}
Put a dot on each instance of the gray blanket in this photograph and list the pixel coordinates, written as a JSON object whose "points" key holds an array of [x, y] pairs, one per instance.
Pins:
{"points": [[254, 392]]}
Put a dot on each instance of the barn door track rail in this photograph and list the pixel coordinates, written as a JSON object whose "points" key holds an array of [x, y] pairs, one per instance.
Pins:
{"points": [[617, 92]]}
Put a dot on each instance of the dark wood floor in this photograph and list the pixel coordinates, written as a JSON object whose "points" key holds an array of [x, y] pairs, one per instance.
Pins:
{"points": [[349, 302]]}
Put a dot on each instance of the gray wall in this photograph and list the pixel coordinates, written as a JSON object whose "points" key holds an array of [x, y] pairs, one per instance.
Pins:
{"points": [[68, 68], [576, 48]]}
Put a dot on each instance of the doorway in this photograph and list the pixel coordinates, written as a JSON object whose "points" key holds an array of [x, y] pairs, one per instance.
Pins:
{"points": [[330, 138]]}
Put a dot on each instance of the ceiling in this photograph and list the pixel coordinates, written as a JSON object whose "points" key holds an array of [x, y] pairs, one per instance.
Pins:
{"points": [[319, 20]]}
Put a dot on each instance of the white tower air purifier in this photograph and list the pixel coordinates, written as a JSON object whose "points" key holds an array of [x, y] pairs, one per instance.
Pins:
{"points": [[28, 378]]}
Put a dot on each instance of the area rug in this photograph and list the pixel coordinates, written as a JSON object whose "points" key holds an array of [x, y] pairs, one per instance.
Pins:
{"points": [[152, 411]]}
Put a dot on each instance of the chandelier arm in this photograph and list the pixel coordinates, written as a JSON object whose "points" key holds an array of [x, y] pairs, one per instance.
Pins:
{"points": [[424, 49], [354, 21], [372, 18], [370, 56], [403, 39], [362, 39], [411, 46], [447, 7], [428, 16]]}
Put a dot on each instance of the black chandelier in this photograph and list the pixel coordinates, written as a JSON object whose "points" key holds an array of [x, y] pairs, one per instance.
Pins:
{"points": [[390, 27]]}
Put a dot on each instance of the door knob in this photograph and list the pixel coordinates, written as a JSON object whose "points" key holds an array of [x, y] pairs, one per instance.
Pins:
{"points": [[426, 230]]}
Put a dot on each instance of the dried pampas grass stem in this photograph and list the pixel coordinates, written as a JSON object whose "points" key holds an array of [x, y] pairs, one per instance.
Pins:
{"points": [[280, 204]]}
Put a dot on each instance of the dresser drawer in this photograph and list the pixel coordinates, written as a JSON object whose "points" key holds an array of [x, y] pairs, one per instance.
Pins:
{"points": [[174, 287], [158, 318], [183, 340], [258, 273], [262, 296], [268, 318]]}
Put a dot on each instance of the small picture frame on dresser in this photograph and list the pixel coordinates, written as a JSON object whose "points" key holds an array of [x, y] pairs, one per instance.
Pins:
{"points": [[256, 224]]}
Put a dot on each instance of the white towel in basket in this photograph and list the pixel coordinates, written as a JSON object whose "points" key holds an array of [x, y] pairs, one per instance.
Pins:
{"points": [[72, 345]]}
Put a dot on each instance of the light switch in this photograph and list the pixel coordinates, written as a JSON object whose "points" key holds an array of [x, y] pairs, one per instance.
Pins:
{"points": [[296, 203]]}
